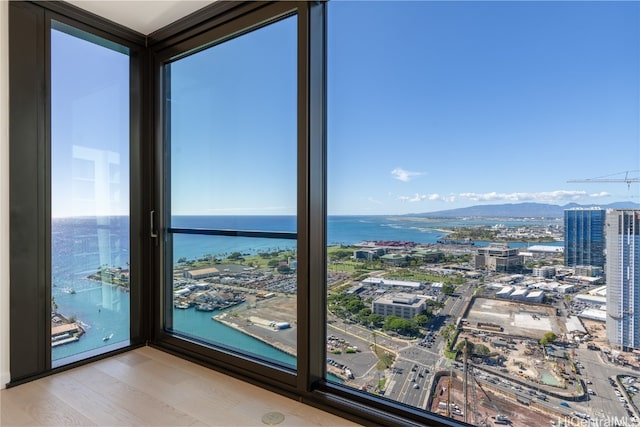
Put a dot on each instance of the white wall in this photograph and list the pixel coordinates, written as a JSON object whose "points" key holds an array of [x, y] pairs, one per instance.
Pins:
{"points": [[4, 193]]}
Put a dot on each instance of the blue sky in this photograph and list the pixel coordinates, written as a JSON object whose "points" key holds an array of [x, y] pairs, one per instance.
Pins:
{"points": [[438, 105], [431, 106], [89, 128]]}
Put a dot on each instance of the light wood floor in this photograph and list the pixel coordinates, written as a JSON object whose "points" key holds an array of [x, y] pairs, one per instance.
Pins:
{"points": [[147, 387]]}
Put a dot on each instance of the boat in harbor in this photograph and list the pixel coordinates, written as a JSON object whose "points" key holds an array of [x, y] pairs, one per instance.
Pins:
{"points": [[107, 337], [205, 307]]}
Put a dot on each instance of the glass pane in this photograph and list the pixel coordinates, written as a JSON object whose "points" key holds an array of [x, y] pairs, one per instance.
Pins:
{"points": [[237, 292], [460, 136], [89, 192], [233, 137]]}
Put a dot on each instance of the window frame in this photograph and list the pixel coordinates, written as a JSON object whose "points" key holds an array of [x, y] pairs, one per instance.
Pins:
{"points": [[30, 194], [248, 17]]}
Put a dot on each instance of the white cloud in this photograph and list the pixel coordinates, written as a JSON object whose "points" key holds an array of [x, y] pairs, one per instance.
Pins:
{"points": [[431, 197], [543, 196], [372, 200], [403, 175], [557, 196]]}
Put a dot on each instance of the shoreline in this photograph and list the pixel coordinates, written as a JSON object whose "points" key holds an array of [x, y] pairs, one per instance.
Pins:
{"points": [[221, 318], [278, 346]]}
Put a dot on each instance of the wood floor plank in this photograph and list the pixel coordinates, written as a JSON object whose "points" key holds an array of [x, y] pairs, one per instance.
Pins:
{"points": [[79, 396], [148, 387], [153, 411], [12, 412], [45, 408]]}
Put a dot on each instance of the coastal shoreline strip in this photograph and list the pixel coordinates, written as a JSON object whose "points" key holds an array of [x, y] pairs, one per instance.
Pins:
{"points": [[278, 346]]}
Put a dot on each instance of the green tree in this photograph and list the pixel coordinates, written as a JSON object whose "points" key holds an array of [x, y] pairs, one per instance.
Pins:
{"points": [[448, 289], [273, 263], [401, 326], [421, 319], [447, 331], [481, 350], [375, 320], [355, 305], [235, 256], [284, 269], [470, 347], [341, 254], [385, 360], [363, 316], [547, 338]]}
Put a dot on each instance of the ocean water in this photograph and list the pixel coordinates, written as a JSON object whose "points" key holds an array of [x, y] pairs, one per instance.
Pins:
{"points": [[80, 246]]}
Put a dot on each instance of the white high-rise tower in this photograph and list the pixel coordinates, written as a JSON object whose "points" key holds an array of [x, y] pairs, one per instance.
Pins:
{"points": [[623, 278]]}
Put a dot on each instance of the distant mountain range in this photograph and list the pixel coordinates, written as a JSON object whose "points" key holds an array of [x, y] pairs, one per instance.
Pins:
{"points": [[519, 210]]}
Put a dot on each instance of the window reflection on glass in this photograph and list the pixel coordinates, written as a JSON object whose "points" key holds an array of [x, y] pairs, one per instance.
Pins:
{"points": [[233, 158], [89, 192], [459, 136]]}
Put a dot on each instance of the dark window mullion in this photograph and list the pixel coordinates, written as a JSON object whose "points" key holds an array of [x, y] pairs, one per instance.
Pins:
{"points": [[236, 233]]}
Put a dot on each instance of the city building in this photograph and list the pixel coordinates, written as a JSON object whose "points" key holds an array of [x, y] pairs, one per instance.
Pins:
{"points": [[584, 238], [201, 273], [402, 305], [394, 259], [535, 296], [499, 258], [542, 252], [588, 271], [519, 294], [566, 289], [384, 282], [623, 278], [427, 256], [544, 272], [504, 292], [368, 254]]}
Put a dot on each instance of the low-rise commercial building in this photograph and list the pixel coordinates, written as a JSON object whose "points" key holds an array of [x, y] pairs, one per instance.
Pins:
{"points": [[201, 273], [498, 258], [405, 306], [390, 283]]}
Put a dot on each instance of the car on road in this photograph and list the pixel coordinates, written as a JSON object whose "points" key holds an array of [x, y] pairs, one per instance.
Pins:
{"points": [[565, 404], [416, 386]]}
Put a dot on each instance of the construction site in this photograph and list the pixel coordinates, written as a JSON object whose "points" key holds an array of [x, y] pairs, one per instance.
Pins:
{"points": [[483, 407]]}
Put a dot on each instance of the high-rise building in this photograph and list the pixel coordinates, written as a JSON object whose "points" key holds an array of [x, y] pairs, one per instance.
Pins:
{"points": [[584, 237], [623, 278]]}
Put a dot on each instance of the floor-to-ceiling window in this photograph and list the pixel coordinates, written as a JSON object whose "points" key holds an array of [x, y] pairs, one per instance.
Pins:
{"points": [[231, 185], [90, 133], [458, 134], [76, 171]]}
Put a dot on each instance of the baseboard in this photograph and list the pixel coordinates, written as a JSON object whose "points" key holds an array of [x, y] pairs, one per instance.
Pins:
{"points": [[4, 379]]}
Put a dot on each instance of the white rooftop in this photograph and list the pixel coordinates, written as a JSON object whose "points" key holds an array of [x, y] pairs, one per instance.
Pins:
{"points": [[543, 248], [519, 291], [599, 291], [593, 299], [505, 290], [594, 314]]}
